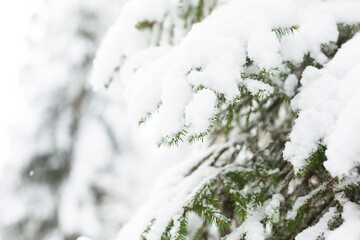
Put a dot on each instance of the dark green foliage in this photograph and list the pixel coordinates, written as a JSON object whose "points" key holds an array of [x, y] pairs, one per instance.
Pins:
{"points": [[239, 201], [212, 215], [350, 189], [208, 207], [182, 232], [315, 161], [166, 234], [346, 32], [304, 208]]}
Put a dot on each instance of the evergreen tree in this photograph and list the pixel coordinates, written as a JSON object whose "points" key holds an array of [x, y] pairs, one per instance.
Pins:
{"points": [[270, 88], [37, 182]]}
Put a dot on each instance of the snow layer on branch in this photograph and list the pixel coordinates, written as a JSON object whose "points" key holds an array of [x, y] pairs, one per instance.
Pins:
{"points": [[317, 24], [312, 233], [327, 102], [290, 84], [225, 68], [263, 48], [252, 227], [302, 200], [273, 206], [349, 230], [174, 97], [200, 110], [124, 39], [170, 193], [256, 87]]}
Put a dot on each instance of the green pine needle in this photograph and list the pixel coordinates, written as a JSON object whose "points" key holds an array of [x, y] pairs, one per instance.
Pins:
{"points": [[280, 32]]}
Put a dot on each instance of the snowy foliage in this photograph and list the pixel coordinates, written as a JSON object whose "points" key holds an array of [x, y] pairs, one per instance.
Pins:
{"points": [[326, 101], [273, 88], [212, 55]]}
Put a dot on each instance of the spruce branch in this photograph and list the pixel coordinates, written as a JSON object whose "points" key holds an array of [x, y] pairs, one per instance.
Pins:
{"points": [[314, 161], [166, 234], [212, 215]]}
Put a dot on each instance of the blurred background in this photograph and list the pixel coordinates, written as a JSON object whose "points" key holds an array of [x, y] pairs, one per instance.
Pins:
{"points": [[71, 164]]}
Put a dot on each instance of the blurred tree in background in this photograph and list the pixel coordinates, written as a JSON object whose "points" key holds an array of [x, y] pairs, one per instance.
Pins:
{"points": [[75, 161]]}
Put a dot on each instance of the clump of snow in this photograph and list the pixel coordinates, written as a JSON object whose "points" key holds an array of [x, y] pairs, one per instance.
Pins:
{"points": [[350, 228], [200, 110], [252, 227], [176, 93], [263, 48], [225, 68], [316, 27], [256, 87], [327, 102], [273, 206], [143, 93], [124, 39], [290, 84]]}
